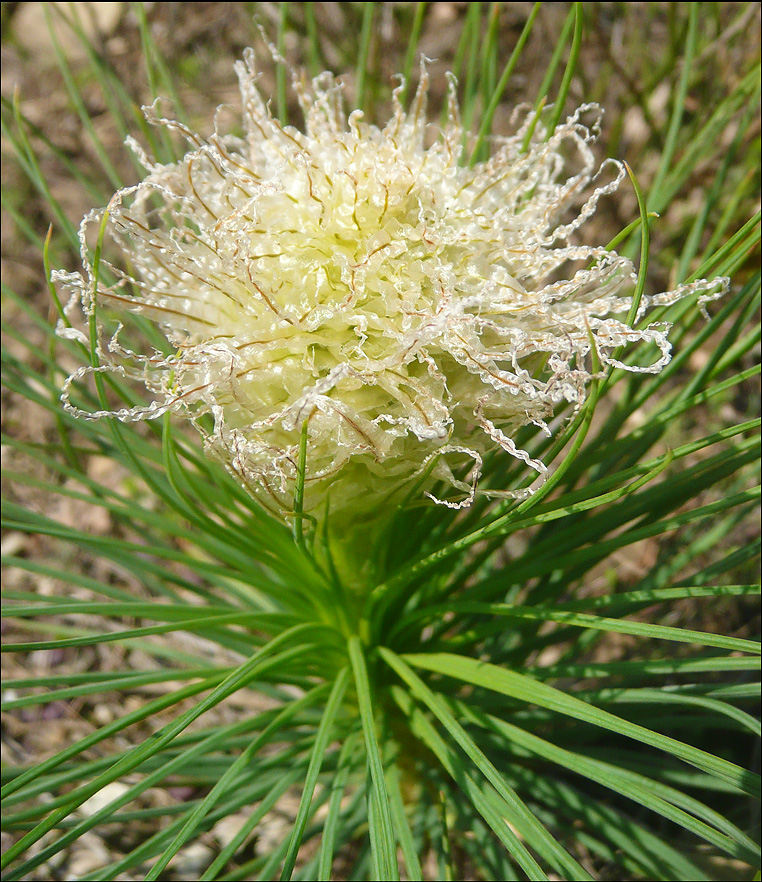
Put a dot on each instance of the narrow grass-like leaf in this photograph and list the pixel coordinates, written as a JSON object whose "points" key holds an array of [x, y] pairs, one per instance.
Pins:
{"points": [[550, 72], [563, 91], [386, 846], [412, 48], [332, 821], [361, 71], [671, 142], [486, 124], [321, 743], [401, 825]]}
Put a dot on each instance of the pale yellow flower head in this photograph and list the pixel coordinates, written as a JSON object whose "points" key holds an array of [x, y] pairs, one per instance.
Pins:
{"points": [[412, 311]]}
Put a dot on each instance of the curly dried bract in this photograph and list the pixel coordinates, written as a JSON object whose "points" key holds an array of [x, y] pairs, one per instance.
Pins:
{"points": [[412, 309]]}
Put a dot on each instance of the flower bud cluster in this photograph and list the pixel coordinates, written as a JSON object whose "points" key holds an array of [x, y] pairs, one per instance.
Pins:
{"points": [[412, 311]]}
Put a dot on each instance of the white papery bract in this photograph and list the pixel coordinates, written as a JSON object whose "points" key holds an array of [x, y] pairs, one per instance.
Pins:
{"points": [[413, 311]]}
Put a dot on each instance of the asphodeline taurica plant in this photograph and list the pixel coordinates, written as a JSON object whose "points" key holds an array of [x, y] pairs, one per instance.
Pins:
{"points": [[368, 290]]}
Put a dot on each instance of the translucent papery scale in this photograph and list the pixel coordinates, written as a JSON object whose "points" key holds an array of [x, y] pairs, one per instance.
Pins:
{"points": [[357, 279]]}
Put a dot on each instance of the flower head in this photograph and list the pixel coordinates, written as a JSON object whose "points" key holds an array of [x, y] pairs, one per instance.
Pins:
{"points": [[363, 285]]}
